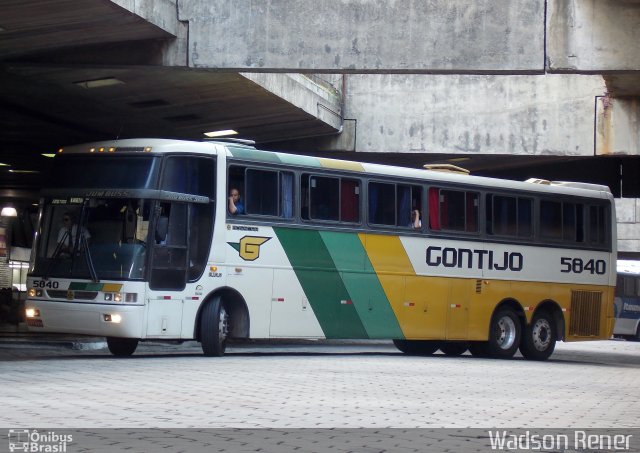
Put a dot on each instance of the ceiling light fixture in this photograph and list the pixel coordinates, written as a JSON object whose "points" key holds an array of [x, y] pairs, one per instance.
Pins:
{"points": [[24, 171], [48, 155], [220, 133], [8, 211], [99, 83]]}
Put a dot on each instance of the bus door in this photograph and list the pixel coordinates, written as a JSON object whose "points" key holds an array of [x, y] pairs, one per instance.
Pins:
{"points": [[168, 269]]}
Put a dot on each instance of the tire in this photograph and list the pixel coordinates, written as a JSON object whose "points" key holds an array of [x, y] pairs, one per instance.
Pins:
{"points": [[122, 347], [454, 348], [504, 334], [539, 339], [637, 336], [214, 328], [417, 347]]}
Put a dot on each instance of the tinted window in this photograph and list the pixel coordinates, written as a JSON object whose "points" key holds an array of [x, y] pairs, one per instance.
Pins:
{"points": [[108, 171], [509, 216], [189, 174], [453, 210], [392, 204]]}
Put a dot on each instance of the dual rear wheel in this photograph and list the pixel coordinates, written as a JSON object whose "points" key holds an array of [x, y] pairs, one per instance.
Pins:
{"points": [[536, 341]]}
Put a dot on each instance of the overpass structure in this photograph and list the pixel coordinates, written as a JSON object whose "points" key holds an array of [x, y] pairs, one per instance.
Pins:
{"points": [[516, 88]]}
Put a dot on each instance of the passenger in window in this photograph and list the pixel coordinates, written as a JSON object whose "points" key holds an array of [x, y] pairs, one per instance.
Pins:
{"points": [[236, 206], [416, 221]]}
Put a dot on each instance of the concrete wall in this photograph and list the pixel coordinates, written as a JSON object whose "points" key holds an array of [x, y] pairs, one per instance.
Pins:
{"points": [[593, 35], [618, 126], [527, 115], [628, 216], [366, 35]]}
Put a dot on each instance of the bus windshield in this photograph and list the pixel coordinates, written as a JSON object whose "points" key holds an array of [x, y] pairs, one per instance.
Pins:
{"points": [[96, 238]]}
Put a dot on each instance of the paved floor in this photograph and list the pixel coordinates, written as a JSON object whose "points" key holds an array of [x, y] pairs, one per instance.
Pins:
{"points": [[584, 385]]}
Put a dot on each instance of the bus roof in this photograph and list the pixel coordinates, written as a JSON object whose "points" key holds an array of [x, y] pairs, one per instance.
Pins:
{"points": [[246, 152]]}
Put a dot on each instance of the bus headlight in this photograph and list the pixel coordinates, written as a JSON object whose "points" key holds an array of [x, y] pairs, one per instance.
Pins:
{"points": [[32, 313]]}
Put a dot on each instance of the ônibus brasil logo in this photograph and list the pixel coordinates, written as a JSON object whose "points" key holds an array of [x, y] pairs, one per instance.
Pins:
{"points": [[31, 440]]}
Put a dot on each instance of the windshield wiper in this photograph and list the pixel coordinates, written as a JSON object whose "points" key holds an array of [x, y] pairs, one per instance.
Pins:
{"points": [[56, 254], [87, 256]]}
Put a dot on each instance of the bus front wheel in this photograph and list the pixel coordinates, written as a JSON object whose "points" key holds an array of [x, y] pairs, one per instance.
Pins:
{"points": [[504, 334], [539, 338], [214, 328], [122, 347]]}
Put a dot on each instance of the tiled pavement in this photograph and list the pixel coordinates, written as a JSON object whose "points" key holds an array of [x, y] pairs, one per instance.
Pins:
{"points": [[314, 386]]}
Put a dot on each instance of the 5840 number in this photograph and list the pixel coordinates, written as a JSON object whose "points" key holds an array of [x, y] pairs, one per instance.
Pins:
{"points": [[45, 284], [578, 266]]}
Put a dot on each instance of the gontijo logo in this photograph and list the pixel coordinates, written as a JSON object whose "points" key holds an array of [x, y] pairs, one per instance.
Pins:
{"points": [[249, 247], [34, 441]]}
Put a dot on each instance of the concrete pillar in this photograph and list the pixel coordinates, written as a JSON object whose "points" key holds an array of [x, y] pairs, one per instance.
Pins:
{"points": [[628, 216], [593, 35]]}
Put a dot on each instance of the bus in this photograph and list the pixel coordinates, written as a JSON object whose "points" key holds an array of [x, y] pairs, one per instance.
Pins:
{"points": [[136, 241], [627, 301]]}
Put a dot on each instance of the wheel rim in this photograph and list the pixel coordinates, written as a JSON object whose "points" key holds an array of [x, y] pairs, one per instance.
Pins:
{"points": [[505, 332], [223, 325], [541, 334]]}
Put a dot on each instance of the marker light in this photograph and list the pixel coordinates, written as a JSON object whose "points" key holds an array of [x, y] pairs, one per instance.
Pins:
{"points": [[117, 297], [33, 292]]}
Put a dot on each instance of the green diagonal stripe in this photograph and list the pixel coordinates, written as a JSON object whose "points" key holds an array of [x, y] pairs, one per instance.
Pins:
{"points": [[362, 284], [321, 283]]}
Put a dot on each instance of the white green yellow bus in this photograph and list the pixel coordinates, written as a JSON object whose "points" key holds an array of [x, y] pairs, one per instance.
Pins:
{"points": [[319, 249]]}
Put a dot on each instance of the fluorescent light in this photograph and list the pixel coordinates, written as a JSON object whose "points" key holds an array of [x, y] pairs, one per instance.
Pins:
{"points": [[8, 211], [24, 171], [99, 83], [4, 165], [220, 133], [48, 155]]}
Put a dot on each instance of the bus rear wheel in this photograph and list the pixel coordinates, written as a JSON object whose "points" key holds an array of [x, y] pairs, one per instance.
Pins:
{"points": [[122, 347], [504, 334], [539, 338], [454, 348], [214, 328], [417, 347]]}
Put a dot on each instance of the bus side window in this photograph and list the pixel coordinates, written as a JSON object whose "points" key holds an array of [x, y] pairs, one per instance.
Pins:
{"points": [[457, 209], [551, 219]]}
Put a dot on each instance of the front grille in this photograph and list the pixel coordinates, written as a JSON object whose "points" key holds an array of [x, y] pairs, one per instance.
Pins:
{"points": [[585, 313], [72, 295]]}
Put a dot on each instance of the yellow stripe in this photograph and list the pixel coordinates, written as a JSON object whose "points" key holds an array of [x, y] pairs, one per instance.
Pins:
{"points": [[340, 164], [111, 287], [423, 305]]}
